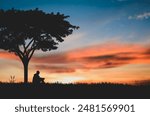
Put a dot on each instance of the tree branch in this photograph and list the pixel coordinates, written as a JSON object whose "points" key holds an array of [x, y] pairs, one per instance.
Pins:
{"points": [[32, 52], [29, 43], [26, 47], [19, 53], [20, 56]]}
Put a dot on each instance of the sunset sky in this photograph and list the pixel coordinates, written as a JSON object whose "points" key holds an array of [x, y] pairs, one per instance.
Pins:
{"points": [[112, 44]]}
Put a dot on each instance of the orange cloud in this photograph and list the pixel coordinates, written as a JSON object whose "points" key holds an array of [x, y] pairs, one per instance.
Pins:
{"points": [[107, 55], [7, 55], [55, 69], [105, 49]]}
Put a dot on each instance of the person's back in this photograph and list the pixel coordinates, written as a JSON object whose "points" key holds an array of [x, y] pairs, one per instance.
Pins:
{"points": [[37, 79]]}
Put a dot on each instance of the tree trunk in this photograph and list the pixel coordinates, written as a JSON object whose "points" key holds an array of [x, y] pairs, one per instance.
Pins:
{"points": [[25, 71]]}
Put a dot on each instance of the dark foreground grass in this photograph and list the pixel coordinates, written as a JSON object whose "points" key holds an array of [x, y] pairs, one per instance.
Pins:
{"points": [[74, 91]]}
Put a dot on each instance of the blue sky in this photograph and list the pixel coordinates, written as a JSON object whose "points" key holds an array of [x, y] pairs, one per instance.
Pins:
{"points": [[109, 25], [99, 20]]}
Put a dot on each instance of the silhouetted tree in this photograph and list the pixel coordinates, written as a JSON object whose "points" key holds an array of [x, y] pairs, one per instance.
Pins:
{"points": [[22, 32]]}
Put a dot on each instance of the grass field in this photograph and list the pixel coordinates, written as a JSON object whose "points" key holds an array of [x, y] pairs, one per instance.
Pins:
{"points": [[74, 91]]}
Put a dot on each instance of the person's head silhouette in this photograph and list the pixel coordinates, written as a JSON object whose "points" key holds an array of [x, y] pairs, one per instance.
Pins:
{"points": [[38, 72]]}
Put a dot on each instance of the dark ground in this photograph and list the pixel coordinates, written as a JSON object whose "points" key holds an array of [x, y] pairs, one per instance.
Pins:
{"points": [[74, 91]]}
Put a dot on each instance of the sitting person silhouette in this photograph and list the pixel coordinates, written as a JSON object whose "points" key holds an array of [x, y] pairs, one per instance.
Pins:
{"points": [[37, 79]]}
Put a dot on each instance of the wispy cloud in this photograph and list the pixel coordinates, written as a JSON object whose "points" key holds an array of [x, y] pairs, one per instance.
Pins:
{"points": [[93, 57], [55, 69], [142, 16], [100, 56]]}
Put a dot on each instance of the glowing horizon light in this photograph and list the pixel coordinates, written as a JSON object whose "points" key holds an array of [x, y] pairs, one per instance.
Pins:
{"points": [[69, 79]]}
